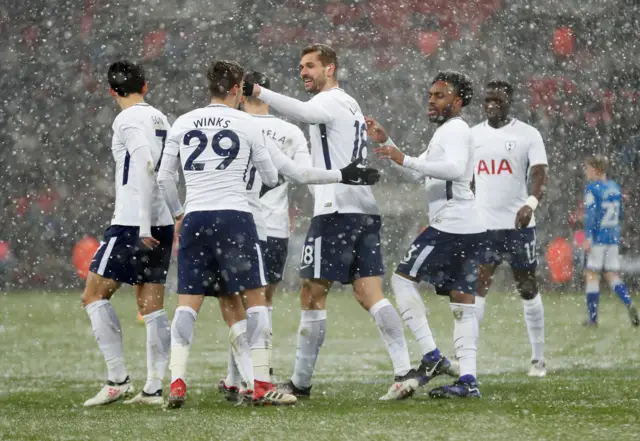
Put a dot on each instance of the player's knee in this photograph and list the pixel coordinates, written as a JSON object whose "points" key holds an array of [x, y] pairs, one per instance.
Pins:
{"points": [[313, 294], [182, 327]]}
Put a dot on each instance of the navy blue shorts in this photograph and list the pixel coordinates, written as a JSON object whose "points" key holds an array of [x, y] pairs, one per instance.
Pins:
{"points": [[219, 253], [447, 261], [342, 248], [275, 258], [123, 258], [518, 247]]}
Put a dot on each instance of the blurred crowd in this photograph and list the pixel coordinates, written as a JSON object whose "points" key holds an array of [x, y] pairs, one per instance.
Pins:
{"points": [[574, 64]]}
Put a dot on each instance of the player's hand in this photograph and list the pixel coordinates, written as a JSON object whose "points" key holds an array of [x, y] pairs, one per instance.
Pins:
{"points": [[375, 132], [523, 217], [178, 224], [390, 152], [150, 242], [247, 88], [352, 174], [265, 188], [586, 245]]}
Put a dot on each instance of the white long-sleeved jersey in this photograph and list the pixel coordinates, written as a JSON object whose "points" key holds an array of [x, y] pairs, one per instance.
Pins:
{"points": [[138, 131], [447, 168], [217, 146], [276, 132], [338, 136], [275, 204]]}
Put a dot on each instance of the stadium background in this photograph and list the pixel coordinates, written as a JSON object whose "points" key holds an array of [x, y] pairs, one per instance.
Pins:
{"points": [[574, 62]]}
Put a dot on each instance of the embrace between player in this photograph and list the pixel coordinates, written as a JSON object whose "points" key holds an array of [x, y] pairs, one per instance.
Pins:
{"points": [[226, 160]]}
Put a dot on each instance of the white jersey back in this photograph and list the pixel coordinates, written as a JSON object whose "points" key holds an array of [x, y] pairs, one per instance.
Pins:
{"points": [[215, 145], [155, 126], [452, 206], [273, 207], [503, 158], [333, 146]]}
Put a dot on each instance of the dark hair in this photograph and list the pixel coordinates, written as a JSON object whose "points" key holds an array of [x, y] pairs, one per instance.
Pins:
{"points": [[258, 78], [460, 82], [502, 85], [222, 76], [598, 162], [126, 77], [326, 54]]}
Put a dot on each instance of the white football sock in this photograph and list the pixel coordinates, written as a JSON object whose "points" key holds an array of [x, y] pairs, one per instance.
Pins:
{"points": [[310, 339], [243, 363], [392, 333], [480, 304], [413, 312], [464, 337], [182, 329], [233, 377], [534, 317], [270, 309], [158, 343], [258, 338], [108, 334]]}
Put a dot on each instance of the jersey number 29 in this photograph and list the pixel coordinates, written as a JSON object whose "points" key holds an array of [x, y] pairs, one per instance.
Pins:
{"points": [[229, 154]]}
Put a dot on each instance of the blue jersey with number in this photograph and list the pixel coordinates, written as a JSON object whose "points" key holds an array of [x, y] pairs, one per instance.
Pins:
{"points": [[603, 212]]}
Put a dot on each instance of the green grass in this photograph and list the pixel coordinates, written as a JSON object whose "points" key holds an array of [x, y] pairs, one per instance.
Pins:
{"points": [[49, 365]]}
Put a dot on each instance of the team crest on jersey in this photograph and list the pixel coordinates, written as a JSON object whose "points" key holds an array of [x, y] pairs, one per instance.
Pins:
{"points": [[510, 145]]}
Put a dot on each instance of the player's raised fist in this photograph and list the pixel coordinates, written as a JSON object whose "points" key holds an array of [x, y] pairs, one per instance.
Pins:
{"points": [[352, 174], [375, 131]]}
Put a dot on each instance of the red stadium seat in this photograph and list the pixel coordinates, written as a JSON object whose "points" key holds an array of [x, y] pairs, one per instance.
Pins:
{"points": [[560, 260]]}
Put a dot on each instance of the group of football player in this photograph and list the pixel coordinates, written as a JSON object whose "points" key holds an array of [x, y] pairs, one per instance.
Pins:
{"points": [[233, 228]]}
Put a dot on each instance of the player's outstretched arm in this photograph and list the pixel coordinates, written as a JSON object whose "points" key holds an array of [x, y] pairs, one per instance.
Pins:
{"points": [[166, 178], [301, 174], [376, 133], [450, 169], [310, 112]]}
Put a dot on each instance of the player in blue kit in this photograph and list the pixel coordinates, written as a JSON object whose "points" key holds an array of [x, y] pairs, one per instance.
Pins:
{"points": [[603, 214]]}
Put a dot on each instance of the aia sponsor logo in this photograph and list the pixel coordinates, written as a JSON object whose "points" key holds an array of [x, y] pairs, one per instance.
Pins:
{"points": [[494, 167]]}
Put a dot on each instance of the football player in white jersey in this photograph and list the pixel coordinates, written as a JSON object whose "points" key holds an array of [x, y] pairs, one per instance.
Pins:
{"points": [[445, 253], [343, 242], [280, 135], [137, 246], [219, 252], [507, 152]]}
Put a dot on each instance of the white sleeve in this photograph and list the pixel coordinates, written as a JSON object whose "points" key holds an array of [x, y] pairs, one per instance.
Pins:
{"points": [[302, 175], [457, 148], [310, 112], [261, 160], [537, 152], [139, 148], [302, 157], [167, 174], [407, 174]]}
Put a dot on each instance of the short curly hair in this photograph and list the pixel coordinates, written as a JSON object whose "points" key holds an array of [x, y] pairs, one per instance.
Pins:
{"points": [[461, 84]]}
